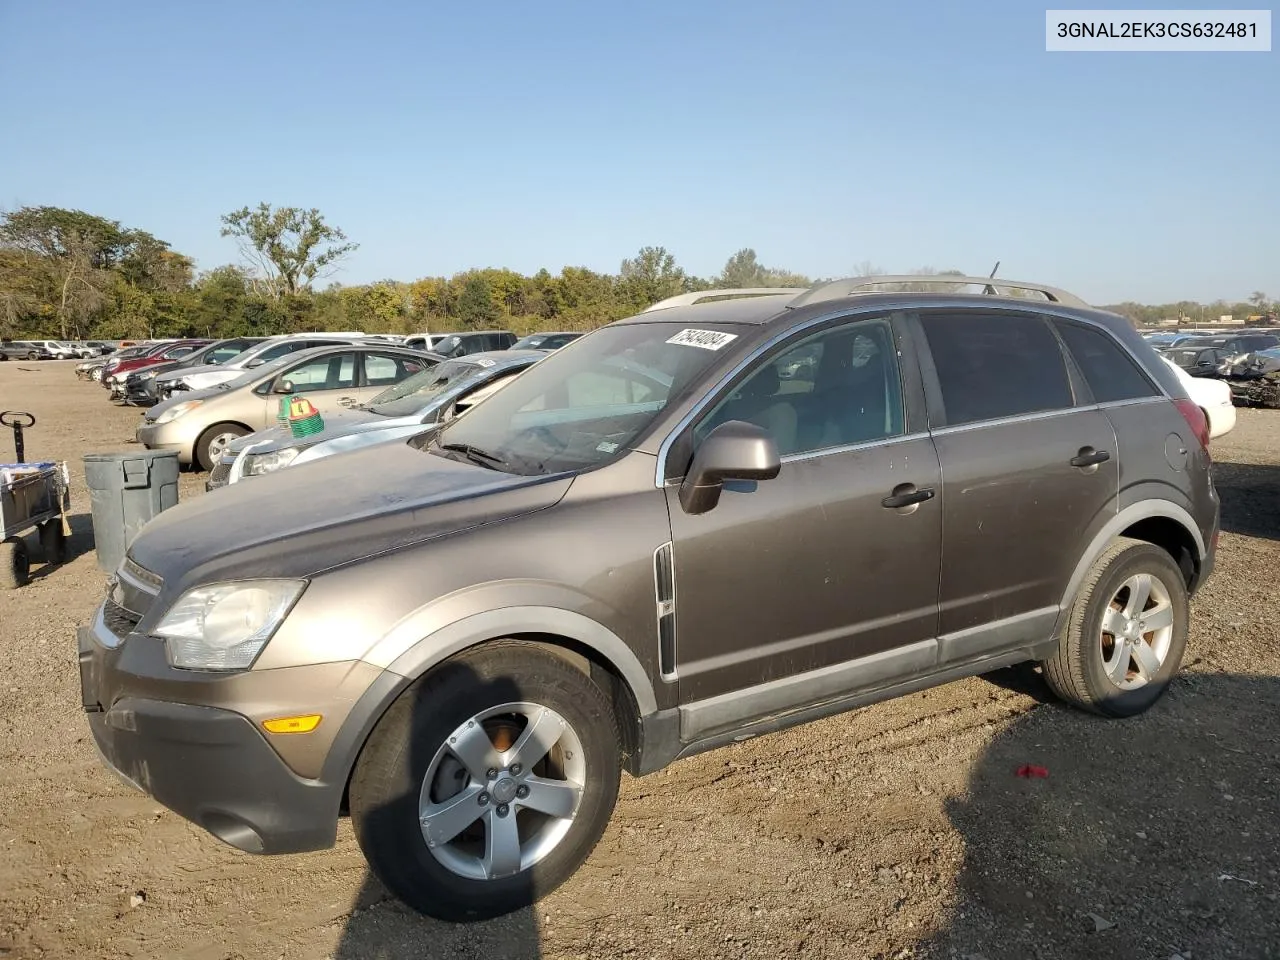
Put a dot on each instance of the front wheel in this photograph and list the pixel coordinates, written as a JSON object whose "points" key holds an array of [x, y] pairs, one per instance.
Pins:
{"points": [[214, 441], [1125, 634], [487, 783], [15, 564]]}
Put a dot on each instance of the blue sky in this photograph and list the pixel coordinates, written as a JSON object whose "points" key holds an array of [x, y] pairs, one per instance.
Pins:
{"points": [[445, 136]]}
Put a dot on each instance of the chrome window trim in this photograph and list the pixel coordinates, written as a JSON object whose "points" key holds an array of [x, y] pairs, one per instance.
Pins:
{"points": [[1017, 418], [848, 447]]}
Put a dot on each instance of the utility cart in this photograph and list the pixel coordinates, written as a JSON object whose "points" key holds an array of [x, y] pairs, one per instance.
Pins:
{"points": [[31, 495]]}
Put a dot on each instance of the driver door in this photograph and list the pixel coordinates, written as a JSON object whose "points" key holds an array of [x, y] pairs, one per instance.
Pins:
{"points": [[808, 586]]}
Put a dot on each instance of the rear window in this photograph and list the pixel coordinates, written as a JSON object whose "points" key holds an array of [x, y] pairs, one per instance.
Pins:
{"points": [[1108, 369], [992, 366]]}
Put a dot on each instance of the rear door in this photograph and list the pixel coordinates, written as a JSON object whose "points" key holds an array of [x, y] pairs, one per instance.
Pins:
{"points": [[1029, 465]]}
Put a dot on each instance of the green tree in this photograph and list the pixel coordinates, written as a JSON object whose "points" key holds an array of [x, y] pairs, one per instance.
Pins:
{"points": [[744, 269], [290, 246], [476, 308], [650, 276]]}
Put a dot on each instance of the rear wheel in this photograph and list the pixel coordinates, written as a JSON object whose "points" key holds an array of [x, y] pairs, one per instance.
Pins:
{"points": [[53, 543], [1126, 633], [488, 783], [33, 355], [15, 565], [213, 443]]}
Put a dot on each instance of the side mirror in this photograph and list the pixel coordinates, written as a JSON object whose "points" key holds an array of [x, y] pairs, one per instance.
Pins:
{"points": [[284, 386], [735, 450]]}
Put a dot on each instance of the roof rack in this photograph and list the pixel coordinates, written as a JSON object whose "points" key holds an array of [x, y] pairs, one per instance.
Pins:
{"points": [[837, 289], [689, 299]]}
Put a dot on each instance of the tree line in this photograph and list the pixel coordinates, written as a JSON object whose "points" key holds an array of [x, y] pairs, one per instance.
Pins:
{"points": [[71, 275]]}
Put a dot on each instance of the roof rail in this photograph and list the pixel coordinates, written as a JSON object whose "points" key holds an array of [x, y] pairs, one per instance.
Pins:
{"points": [[836, 289], [689, 299]]}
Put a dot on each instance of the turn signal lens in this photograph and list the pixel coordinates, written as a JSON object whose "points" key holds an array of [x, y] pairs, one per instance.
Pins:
{"points": [[303, 724]]}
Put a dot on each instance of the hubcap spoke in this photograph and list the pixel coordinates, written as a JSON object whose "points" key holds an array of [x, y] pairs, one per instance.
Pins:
{"points": [[538, 738], [471, 744], [1159, 617], [501, 845], [1146, 659], [1114, 622], [444, 821], [555, 798], [1118, 667], [1139, 594]]}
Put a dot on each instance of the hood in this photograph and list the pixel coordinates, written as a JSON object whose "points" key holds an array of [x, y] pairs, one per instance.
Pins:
{"points": [[339, 424], [296, 523]]}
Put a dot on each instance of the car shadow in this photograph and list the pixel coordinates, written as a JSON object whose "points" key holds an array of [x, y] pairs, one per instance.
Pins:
{"points": [[1156, 836], [80, 542], [1250, 494], [382, 927]]}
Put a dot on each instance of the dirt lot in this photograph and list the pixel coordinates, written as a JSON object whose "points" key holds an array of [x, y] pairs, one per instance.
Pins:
{"points": [[898, 831]]}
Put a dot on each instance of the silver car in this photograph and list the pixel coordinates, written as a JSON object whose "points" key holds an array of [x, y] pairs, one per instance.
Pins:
{"points": [[199, 424], [427, 398], [212, 374]]}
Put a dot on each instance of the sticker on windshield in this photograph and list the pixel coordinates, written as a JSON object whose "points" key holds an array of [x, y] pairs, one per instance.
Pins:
{"points": [[485, 362], [706, 339], [606, 446]]}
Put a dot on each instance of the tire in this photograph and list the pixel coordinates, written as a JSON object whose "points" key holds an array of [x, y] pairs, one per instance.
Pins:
{"points": [[389, 785], [53, 543], [15, 565], [208, 449], [33, 355], [1079, 673]]}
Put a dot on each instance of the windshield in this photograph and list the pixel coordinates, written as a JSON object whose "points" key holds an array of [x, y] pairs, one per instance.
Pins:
{"points": [[412, 394], [588, 402], [252, 376]]}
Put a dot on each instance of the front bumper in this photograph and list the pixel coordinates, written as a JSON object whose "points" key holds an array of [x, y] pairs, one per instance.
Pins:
{"points": [[208, 764], [165, 436]]}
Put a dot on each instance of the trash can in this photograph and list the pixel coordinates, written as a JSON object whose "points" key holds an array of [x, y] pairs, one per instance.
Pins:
{"points": [[126, 490]]}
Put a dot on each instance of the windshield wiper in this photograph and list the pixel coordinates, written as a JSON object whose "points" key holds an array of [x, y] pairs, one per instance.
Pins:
{"points": [[481, 457]]}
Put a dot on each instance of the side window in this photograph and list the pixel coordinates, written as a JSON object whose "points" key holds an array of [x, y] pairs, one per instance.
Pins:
{"points": [[333, 372], [177, 352], [223, 354], [996, 365], [276, 352], [1107, 367], [382, 371], [836, 388]]}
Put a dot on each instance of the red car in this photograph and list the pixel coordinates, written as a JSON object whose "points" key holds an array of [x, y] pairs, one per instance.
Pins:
{"points": [[114, 373]]}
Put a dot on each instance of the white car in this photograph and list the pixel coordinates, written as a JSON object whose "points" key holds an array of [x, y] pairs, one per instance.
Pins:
{"points": [[1212, 396]]}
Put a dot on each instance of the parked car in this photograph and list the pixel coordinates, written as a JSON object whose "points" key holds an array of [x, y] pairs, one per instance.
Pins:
{"points": [[210, 375], [424, 341], [199, 424], [24, 350], [545, 341], [646, 546], [435, 395], [455, 345], [1254, 379], [1203, 356], [1212, 396], [93, 369], [140, 385], [114, 376], [58, 349]]}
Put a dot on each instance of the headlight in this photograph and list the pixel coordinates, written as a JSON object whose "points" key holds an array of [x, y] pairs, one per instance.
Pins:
{"points": [[224, 626], [177, 410], [256, 464], [148, 376]]}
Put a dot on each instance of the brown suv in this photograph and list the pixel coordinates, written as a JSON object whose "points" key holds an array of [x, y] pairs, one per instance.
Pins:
{"points": [[682, 530]]}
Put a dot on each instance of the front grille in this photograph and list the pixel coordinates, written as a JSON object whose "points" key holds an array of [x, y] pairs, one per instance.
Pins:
{"points": [[219, 475], [117, 619]]}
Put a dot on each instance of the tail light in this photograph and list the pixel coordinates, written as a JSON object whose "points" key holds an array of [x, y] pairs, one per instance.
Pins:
{"points": [[1196, 420]]}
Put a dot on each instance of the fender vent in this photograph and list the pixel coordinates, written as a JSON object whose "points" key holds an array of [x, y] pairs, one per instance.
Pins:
{"points": [[664, 584]]}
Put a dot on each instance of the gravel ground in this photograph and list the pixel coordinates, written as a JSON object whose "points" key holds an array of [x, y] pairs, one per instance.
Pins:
{"points": [[900, 830]]}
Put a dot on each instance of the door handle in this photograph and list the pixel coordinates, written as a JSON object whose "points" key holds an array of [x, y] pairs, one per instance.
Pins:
{"points": [[906, 495], [1089, 457]]}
